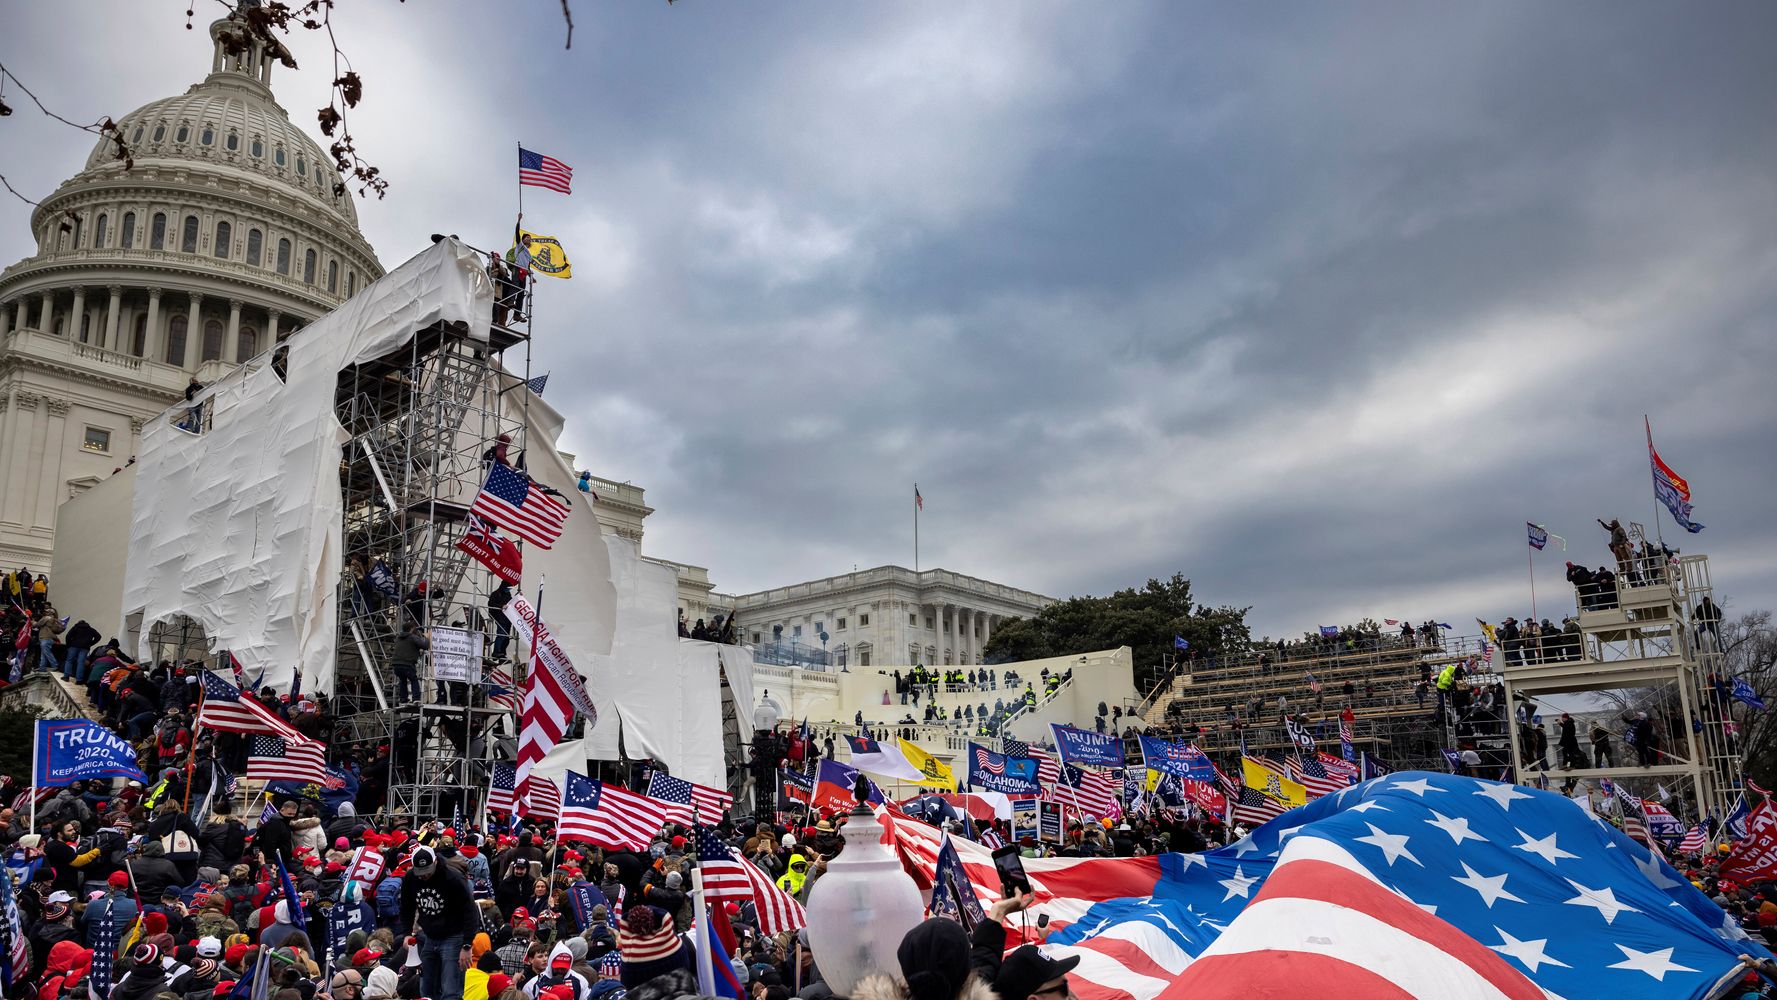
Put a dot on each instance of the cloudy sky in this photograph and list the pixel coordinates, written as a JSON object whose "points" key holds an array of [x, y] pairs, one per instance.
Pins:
{"points": [[1314, 303]]}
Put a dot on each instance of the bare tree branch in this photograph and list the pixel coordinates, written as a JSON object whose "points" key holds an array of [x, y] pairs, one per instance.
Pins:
{"points": [[104, 128], [568, 16]]}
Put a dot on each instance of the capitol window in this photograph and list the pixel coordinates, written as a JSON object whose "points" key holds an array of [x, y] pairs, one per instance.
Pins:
{"points": [[223, 233], [351, 283], [255, 243], [160, 132], [183, 134], [208, 136], [129, 231], [233, 142], [188, 242], [139, 342], [863, 620], [283, 256], [277, 156], [258, 148], [101, 230], [97, 439], [212, 340], [840, 626], [302, 166], [246, 344], [333, 275], [176, 342], [308, 267], [157, 233], [137, 135]]}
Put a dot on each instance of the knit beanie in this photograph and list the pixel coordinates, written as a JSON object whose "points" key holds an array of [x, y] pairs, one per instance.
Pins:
{"points": [[648, 946]]}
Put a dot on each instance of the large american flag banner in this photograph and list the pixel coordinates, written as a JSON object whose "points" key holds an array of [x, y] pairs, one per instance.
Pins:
{"points": [[606, 815], [277, 758], [502, 787], [537, 170], [681, 798], [512, 501], [226, 710], [727, 876]]}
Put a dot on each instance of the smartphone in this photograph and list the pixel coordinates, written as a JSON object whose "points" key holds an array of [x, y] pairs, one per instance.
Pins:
{"points": [[1011, 869], [1042, 920]]}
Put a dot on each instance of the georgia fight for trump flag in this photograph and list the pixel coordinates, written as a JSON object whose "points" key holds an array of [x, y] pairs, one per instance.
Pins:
{"points": [[1519, 885]]}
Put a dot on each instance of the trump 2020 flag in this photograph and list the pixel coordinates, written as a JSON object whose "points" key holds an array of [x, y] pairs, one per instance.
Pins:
{"points": [[70, 750], [1083, 746], [1744, 692], [1538, 536]]}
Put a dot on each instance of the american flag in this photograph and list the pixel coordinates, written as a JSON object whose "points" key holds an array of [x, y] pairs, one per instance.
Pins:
{"points": [[1634, 820], [537, 170], [985, 760], [226, 710], [1094, 793], [502, 787], [1048, 772], [727, 876], [512, 501], [278, 758], [1694, 841], [1315, 776], [104, 942], [1253, 807], [15, 952], [1014, 748], [606, 815], [545, 802], [500, 689], [682, 797], [536, 384]]}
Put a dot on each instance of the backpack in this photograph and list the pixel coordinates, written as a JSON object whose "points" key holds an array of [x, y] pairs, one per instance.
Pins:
{"points": [[179, 845], [388, 897]]}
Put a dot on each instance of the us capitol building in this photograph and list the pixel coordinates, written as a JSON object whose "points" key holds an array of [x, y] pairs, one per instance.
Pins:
{"points": [[226, 236]]}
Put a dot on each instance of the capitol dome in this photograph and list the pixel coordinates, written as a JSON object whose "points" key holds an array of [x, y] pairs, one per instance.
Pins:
{"points": [[222, 235]]}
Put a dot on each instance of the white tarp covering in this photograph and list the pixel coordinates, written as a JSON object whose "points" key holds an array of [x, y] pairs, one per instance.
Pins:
{"points": [[239, 527]]}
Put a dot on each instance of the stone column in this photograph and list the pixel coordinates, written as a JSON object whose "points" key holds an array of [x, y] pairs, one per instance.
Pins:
{"points": [[78, 314], [46, 312], [111, 314], [194, 331], [15, 507], [18, 314], [8, 434], [49, 472], [136, 424], [968, 620], [986, 629], [273, 319], [233, 337], [153, 341]]}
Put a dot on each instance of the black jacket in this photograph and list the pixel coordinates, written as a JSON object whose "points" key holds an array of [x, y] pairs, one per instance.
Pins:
{"points": [[443, 903], [274, 838], [220, 844], [154, 873]]}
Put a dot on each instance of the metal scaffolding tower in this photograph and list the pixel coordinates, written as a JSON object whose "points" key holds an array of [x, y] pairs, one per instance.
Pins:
{"points": [[420, 420]]}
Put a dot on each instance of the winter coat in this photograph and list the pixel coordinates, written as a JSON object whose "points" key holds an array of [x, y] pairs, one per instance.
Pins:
{"points": [[140, 984], [154, 872], [880, 987], [677, 983], [307, 833], [221, 842]]}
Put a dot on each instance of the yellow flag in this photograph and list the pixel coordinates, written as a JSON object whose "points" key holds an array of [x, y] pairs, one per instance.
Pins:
{"points": [[933, 771], [1489, 631], [1271, 783], [1153, 781], [546, 254]]}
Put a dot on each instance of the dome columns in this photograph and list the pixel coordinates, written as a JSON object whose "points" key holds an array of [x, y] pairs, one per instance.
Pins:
{"points": [[233, 339], [111, 315], [155, 345], [76, 319]]}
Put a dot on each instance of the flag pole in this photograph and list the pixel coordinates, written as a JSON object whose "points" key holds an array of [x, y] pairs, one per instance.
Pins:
{"points": [[1530, 560], [706, 973], [915, 527], [520, 145], [1653, 475]]}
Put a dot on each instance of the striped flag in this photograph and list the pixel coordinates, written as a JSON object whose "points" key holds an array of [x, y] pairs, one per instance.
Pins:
{"points": [[1048, 771], [226, 710], [502, 787], [727, 876], [537, 170], [553, 692], [1694, 841], [1315, 775], [606, 815], [501, 692], [515, 502], [277, 758], [1014, 748], [1094, 793], [682, 798]]}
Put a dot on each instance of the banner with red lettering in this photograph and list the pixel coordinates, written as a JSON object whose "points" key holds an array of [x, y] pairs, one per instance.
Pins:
{"points": [[1755, 858]]}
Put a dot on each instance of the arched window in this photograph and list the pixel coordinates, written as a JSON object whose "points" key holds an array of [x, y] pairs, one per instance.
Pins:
{"points": [[176, 341], [258, 148], [86, 326], [255, 242], [208, 136], [157, 233], [101, 230], [233, 142], [351, 283], [278, 156], [139, 338], [302, 165], [283, 256], [332, 274], [308, 267], [79, 227], [246, 343], [129, 231], [188, 241], [160, 132], [136, 136], [183, 134], [223, 234], [212, 340]]}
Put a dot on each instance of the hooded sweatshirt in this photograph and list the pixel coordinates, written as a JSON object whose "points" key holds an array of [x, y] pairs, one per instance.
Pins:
{"points": [[791, 880], [552, 976]]}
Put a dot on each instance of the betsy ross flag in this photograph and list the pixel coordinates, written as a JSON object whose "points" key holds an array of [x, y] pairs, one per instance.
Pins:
{"points": [[1670, 488], [606, 815], [226, 710], [512, 501], [537, 170], [484, 543], [278, 758], [682, 797], [727, 877]]}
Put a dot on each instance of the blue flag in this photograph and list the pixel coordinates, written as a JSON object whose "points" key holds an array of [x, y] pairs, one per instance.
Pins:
{"points": [[1083, 746], [1329, 630], [70, 750], [995, 772], [584, 896], [383, 579], [1742, 692], [291, 897], [341, 787], [1178, 642], [1175, 758], [952, 892], [1539, 536]]}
